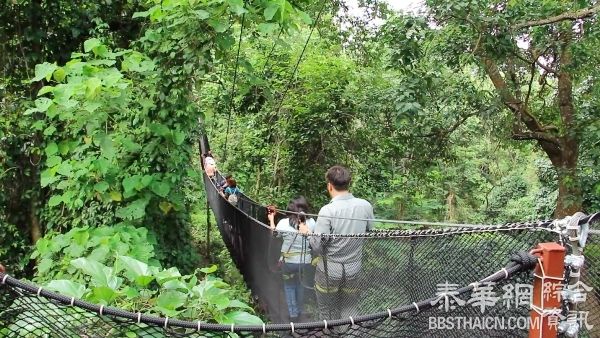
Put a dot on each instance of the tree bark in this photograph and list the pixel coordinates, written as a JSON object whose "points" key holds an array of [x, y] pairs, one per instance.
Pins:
{"points": [[563, 151]]}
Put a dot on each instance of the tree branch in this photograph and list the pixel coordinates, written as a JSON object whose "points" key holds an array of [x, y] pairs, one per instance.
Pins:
{"points": [[537, 136], [444, 133], [584, 13]]}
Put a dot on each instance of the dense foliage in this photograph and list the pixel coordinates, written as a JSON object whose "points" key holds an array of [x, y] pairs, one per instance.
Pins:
{"points": [[480, 112]]}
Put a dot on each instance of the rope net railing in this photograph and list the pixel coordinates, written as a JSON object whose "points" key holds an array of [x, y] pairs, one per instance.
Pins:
{"points": [[456, 282]]}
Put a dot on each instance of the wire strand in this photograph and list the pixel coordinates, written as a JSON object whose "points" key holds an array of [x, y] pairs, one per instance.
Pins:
{"points": [[300, 58], [235, 72]]}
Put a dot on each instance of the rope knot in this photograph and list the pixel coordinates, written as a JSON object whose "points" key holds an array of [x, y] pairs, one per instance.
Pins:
{"points": [[525, 259]]}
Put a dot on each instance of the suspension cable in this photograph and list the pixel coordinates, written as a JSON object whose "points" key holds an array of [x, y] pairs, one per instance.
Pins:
{"points": [[591, 218], [300, 58], [237, 62]]}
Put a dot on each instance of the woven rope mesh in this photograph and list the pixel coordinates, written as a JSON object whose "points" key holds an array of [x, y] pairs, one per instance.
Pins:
{"points": [[395, 269]]}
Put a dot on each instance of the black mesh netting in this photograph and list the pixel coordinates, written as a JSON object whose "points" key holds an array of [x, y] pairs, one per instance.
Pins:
{"points": [[391, 289]]}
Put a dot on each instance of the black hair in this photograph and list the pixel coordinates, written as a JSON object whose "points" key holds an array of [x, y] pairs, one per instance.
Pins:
{"points": [[339, 177], [297, 204]]}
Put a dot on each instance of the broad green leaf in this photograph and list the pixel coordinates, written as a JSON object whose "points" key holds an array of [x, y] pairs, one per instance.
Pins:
{"points": [[135, 267], [166, 275], [237, 6], [175, 284], [304, 17], [130, 183], [55, 200], [171, 299], [45, 90], [178, 137], [45, 265], [202, 14], [59, 74], [210, 269], [90, 44], [91, 268], [53, 161], [101, 186], [241, 318], [51, 149], [219, 26], [44, 71], [270, 11], [135, 210], [144, 182], [103, 295], [67, 288], [116, 196], [143, 14], [42, 104], [159, 129], [49, 131], [92, 87], [160, 188], [267, 27], [165, 207], [237, 304]]}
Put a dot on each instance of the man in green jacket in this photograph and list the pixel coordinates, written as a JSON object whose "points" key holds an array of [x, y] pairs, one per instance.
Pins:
{"points": [[338, 270]]}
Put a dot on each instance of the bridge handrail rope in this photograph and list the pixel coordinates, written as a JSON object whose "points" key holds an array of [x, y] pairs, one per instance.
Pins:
{"points": [[542, 224], [517, 265]]}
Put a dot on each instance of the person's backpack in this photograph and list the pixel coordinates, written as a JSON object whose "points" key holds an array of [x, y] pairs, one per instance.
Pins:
{"points": [[233, 195], [233, 199]]}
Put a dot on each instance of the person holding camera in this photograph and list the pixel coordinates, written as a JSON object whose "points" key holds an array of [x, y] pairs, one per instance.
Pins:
{"points": [[295, 256]]}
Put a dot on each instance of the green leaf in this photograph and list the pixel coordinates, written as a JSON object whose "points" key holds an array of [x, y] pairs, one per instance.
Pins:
{"points": [[45, 265], [135, 267], [210, 269], [53, 161], [101, 186], [304, 17], [107, 146], [167, 275], [51, 149], [241, 318], [175, 284], [90, 44], [59, 74], [44, 71], [202, 14], [103, 295], [178, 137], [116, 196], [49, 131], [93, 86], [237, 6], [171, 299], [130, 183], [267, 28], [219, 26], [42, 104], [135, 210], [165, 207], [55, 200], [143, 14], [160, 188], [270, 11], [237, 304], [67, 288], [159, 129], [45, 90]]}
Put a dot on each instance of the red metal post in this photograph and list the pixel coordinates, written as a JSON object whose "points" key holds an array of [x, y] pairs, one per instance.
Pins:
{"points": [[546, 291]]}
